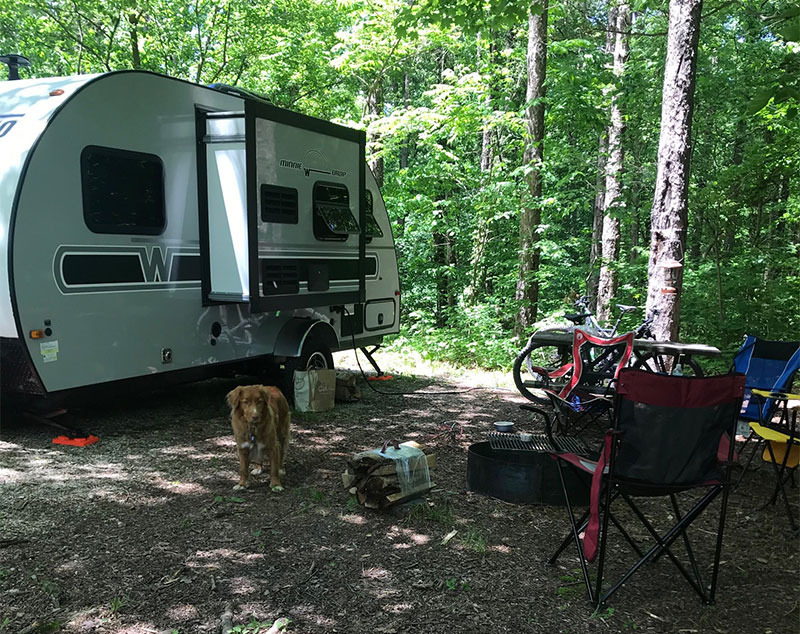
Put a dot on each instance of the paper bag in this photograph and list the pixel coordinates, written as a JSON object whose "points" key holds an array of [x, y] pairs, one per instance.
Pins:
{"points": [[314, 390], [346, 388]]}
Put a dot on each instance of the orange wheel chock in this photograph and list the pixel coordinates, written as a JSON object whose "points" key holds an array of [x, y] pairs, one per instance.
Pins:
{"points": [[75, 442]]}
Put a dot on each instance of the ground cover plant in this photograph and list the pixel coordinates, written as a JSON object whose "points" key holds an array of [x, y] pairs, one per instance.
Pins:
{"points": [[143, 533]]}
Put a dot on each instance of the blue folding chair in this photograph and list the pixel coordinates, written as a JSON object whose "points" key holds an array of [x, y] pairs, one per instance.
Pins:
{"points": [[769, 366]]}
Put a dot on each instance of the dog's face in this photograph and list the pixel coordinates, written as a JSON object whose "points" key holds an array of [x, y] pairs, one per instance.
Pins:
{"points": [[249, 402]]}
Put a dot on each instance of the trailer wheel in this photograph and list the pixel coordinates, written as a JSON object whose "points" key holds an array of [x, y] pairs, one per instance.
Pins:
{"points": [[315, 355]]}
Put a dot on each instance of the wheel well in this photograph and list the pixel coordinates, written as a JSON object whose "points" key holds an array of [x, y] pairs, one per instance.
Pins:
{"points": [[296, 332]]}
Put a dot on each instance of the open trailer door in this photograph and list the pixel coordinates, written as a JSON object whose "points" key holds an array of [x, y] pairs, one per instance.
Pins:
{"points": [[305, 210], [223, 207]]}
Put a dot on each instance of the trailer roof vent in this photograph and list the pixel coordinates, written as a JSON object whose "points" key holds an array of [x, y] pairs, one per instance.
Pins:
{"points": [[13, 62]]}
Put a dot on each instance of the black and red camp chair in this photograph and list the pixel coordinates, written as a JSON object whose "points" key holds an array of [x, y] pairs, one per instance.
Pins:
{"points": [[588, 395], [671, 435]]}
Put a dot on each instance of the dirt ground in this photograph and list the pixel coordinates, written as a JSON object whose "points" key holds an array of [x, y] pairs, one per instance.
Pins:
{"points": [[142, 532]]}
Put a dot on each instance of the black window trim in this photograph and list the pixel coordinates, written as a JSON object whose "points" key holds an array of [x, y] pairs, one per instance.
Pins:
{"points": [[110, 229], [334, 236]]}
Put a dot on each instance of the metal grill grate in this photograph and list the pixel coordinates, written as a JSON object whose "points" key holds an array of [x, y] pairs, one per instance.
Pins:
{"points": [[538, 442], [512, 442]]}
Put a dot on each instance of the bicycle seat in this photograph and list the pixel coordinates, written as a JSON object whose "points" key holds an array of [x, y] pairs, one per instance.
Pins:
{"points": [[577, 317], [627, 309]]}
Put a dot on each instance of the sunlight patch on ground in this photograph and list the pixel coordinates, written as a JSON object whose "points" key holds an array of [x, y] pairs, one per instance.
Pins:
{"points": [[243, 585], [353, 519], [183, 612], [500, 548], [308, 612], [137, 628], [213, 559], [410, 362], [398, 608], [189, 452], [11, 476], [376, 573], [417, 539], [176, 486]]}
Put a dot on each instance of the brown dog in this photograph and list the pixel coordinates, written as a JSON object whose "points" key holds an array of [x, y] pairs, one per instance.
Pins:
{"points": [[261, 422]]}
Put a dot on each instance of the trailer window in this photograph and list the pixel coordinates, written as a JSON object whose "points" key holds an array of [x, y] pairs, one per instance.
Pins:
{"points": [[278, 204], [123, 191], [371, 226], [333, 219]]}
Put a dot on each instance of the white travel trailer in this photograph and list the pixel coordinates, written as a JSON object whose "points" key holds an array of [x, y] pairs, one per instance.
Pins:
{"points": [[151, 227]]}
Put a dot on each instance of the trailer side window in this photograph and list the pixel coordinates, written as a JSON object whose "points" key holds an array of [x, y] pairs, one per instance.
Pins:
{"points": [[333, 219], [373, 229], [123, 191], [278, 204]]}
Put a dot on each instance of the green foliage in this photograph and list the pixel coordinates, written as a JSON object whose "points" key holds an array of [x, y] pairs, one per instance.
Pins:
{"points": [[454, 584], [425, 513], [450, 128]]}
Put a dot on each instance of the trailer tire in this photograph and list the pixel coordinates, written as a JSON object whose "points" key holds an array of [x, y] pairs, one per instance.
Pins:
{"points": [[315, 355]]}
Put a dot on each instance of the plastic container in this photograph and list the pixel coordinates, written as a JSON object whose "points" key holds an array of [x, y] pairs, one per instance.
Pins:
{"points": [[505, 426]]}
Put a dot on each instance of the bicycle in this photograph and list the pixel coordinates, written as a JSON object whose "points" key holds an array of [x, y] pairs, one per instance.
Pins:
{"points": [[547, 356]]}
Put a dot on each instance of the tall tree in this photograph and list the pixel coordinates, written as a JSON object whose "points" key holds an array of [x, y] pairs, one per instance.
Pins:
{"points": [[670, 202], [614, 204], [530, 218], [596, 248]]}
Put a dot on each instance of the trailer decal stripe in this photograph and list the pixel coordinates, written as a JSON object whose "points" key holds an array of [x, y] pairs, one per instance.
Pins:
{"points": [[110, 269]]}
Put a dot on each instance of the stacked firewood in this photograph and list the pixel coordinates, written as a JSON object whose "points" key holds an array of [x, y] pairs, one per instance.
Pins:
{"points": [[373, 479]]}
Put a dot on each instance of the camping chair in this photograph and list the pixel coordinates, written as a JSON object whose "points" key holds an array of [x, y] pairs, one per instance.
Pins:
{"points": [[588, 395], [782, 440], [770, 366], [668, 434]]}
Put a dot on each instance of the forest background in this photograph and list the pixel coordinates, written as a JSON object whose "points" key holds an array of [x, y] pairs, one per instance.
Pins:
{"points": [[441, 89]]}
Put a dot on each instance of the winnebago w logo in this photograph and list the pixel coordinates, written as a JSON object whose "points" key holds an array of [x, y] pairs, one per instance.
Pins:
{"points": [[8, 121], [313, 161], [107, 269]]}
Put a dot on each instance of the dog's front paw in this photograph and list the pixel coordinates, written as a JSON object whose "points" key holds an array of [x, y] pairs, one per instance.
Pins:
{"points": [[257, 471], [239, 487], [277, 488]]}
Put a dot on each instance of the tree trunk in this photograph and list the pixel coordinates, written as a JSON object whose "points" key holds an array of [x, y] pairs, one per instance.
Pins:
{"points": [[133, 37], [596, 250], [530, 217], [440, 272], [486, 140], [375, 108], [670, 201], [404, 147], [596, 247], [613, 204]]}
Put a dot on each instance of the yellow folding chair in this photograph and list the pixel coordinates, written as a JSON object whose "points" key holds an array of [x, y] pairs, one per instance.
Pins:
{"points": [[782, 444]]}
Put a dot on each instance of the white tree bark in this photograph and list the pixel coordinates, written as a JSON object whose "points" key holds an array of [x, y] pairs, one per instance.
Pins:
{"points": [[614, 204], [668, 218]]}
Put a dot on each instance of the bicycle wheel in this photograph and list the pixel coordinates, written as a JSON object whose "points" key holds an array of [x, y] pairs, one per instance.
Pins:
{"points": [[670, 363], [528, 378]]}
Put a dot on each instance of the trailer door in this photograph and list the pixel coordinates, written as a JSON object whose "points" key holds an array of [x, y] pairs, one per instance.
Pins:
{"points": [[305, 210], [227, 274]]}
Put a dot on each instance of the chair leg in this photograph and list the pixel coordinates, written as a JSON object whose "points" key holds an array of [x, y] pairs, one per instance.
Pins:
{"points": [[575, 534], [583, 523], [780, 484], [723, 511], [686, 542], [663, 543], [756, 445]]}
